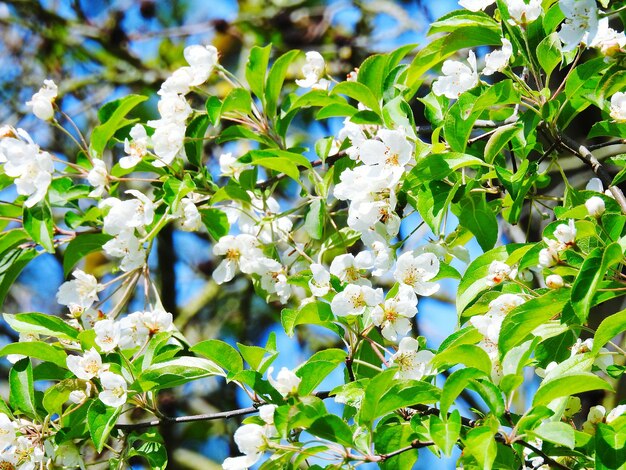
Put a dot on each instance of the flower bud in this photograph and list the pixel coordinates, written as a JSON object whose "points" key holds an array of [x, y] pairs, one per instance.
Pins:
{"points": [[554, 281], [595, 206]]}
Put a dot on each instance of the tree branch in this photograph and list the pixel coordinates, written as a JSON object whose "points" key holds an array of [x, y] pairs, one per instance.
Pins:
{"points": [[547, 459], [416, 444], [584, 154], [188, 419]]}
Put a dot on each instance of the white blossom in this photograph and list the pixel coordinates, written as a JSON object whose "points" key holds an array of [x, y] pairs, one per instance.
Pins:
{"points": [[350, 268], [595, 206], [97, 178], [107, 334], [273, 278], [554, 281], [8, 429], [476, 5], [498, 272], [240, 251], [167, 139], [355, 299], [389, 154], [549, 256], [320, 280], [581, 22], [417, 271], [490, 323], [41, 102], [607, 39], [79, 396], [136, 148], [128, 247], [133, 331], [31, 167], [566, 234], [615, 413], [618, 106], [313, 71], [523, 13], [87, 366], [230, 166], [128, 214], [286, 382], [82, 291], [202, 60], [191, 219], [596, 415], [251, 441], [113, 389], [394, 315], [498, 60], [412, 364], [266, 413], [457, 77]]}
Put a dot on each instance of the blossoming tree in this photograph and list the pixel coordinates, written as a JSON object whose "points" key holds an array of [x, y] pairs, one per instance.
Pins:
{"points": [[84, 388]]}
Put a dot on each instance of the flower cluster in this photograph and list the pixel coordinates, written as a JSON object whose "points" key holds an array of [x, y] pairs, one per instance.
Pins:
{"points": [[23, 160]]}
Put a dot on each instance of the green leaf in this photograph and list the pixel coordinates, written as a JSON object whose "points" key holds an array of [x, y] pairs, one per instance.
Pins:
{"points": [[317, 368], [238, 101], [591, 273], [556, 432], [567, 385], [58, 394], [610, 448], [445, 433], [372, 74], [41, 324], [275, 81], [433, 200], [215, 221], [391, 436], [528, 316], [609, 329], [282, 161], [437, 166], [549, 53], [194, 139], [455, 384], [223, 354], [256, 68], [460, 19], [359, 92], [332, 428], [152, 449], [81, 246], [213, 108], [39, 224], [112, 118], [481, 445], [176, 372], [468, 354], [314, 220], [257, 357], [101, 419], [385, 394], [314, 313], [38, 350], [499, 139], [475, 214], [22, 388]]}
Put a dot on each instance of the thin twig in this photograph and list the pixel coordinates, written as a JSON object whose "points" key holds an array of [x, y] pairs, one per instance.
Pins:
{"points": [[586, 156]]}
